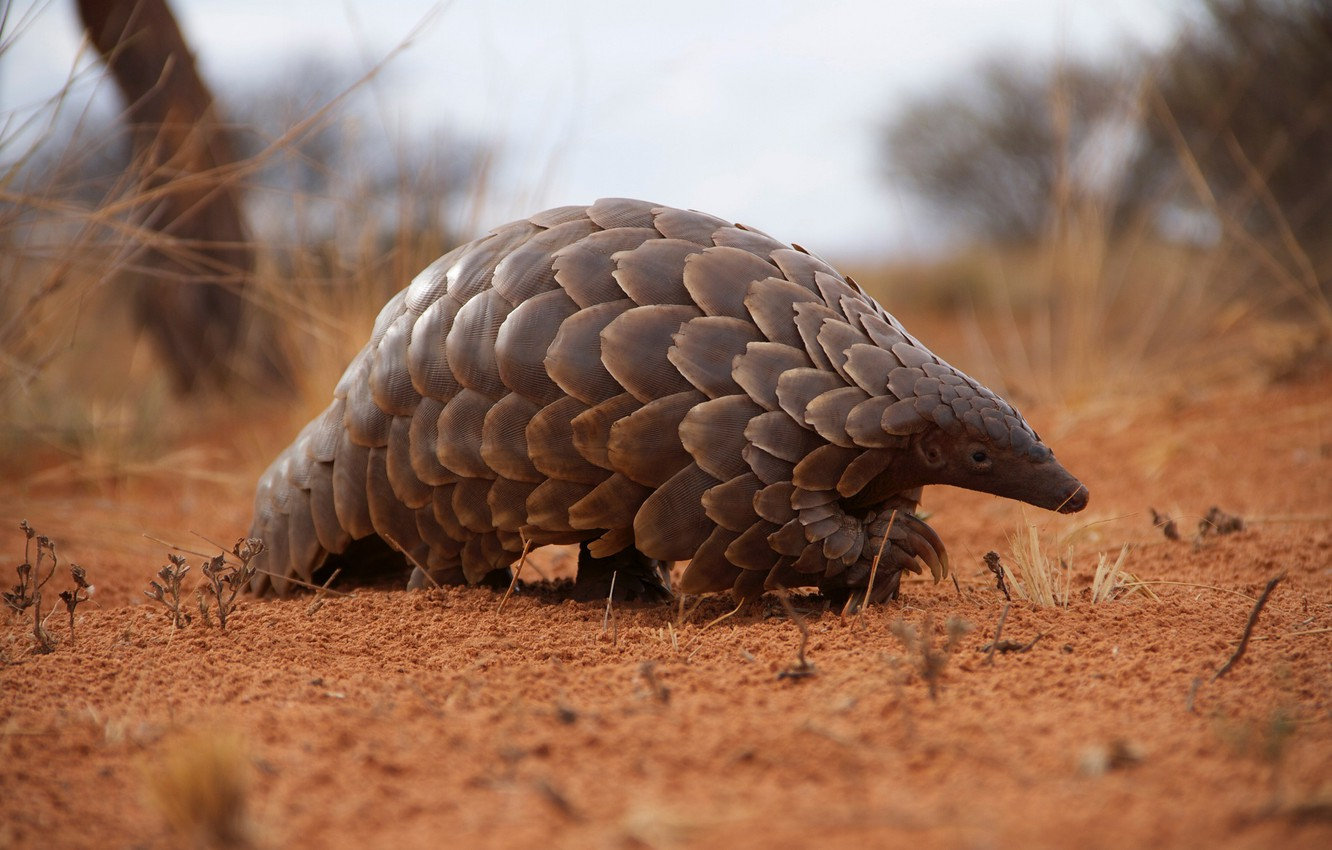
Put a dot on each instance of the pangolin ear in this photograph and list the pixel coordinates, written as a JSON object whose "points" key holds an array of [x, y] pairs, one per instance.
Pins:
{"points": [[930, 449]]}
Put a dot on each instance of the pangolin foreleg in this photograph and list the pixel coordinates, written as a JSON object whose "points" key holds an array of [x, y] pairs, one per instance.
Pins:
{"points": [[895, 541]]}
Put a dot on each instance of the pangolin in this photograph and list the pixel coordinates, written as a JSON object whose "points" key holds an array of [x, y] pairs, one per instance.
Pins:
{"points": [[655, 385]]}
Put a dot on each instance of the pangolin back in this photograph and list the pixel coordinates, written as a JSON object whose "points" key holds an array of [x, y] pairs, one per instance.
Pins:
{"points": [[638, 379]]}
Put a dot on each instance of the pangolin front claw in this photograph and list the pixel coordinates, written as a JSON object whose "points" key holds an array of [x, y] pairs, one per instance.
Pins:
{"points": [[929, 547], [910, 540]]}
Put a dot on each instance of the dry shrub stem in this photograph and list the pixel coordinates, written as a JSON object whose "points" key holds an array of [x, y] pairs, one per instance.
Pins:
{"points": [[930, 662], [33, 577], [999, 628], [226, 581], [223, 582], [81, 593], [992, 564], [513, 582], [168, 591], [1248, 627]]}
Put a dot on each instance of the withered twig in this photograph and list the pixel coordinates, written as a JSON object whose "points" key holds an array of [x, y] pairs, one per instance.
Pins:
{"points": [[992, 564], [998, 630], [527, 545], [1166, 523], [1193, 694], [874, 567], [1248, 627], [319, 597]]}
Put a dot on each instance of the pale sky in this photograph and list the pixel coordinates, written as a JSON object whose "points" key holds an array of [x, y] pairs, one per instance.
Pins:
{"points": [[761, 112]]}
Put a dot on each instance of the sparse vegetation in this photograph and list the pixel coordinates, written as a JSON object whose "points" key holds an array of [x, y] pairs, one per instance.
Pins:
{"points": [[1120, 219], [802, 667], [82, 592], [1038, 576], [1110, 576], [33, 577], [201, 786], [223, 581], [930, 661], [168, 590]]}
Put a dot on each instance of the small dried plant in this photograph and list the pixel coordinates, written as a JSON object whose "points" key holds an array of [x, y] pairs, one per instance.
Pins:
{"points": [[1038, 576], [168, 590], [224, 581], [82, 592], [930, 661], [27, 593], [33, 577]]}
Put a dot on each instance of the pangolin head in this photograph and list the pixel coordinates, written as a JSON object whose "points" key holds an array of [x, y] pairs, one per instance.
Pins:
{"points": [[964, 435], [1016, 465]]}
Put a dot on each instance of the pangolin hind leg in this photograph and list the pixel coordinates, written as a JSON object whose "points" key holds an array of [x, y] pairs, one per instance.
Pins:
{"points": [[636, 576]]}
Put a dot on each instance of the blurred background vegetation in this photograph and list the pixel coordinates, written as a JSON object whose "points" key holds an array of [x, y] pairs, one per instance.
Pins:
{"points": [[1119, 227]]}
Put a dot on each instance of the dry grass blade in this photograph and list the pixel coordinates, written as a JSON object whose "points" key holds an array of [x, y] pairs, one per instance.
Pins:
{"points": [[610, 600], [1037, 577], [1109, 577], [513, 582], [1146, 586], [715, 620], [874, 569], [201, 787]]}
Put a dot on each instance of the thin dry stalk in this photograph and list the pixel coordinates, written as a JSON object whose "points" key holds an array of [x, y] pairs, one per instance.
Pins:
{"points": [[802, 669], [728, 615], [168, 590], [82, 592], [930, 662], [322, 593], [27, 593], [513, 582], [874, 569], [411, 559], [226, 581], [1248, 627], [610, 599], [998, 631]]}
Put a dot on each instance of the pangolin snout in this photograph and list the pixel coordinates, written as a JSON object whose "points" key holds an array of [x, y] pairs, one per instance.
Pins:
{"points": [[1076, 501]]}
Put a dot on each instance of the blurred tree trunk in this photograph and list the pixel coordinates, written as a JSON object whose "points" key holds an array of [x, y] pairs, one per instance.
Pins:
{"points": [[196, 259]]}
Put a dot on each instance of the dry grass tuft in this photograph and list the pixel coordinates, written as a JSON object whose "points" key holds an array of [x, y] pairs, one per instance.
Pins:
{"points": [[1036, 573], [1037, 576], [201, 787], [1110, 577]]}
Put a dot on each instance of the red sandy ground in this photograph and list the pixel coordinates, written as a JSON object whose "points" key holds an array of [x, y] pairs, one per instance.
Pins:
{"points": [[387, 719]]}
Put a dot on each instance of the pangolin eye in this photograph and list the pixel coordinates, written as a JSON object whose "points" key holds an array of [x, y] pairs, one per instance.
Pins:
{"points": [[979, 456]]}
